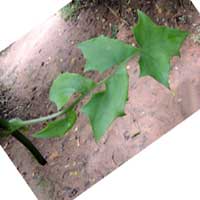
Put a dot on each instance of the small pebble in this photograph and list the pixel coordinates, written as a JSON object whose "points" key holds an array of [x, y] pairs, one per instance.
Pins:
{"points": [[66, 166], [128, 67], [179, 100], [74, 164]]}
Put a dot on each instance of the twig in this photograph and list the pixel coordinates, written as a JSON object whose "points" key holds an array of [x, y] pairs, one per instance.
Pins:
{"points": [[115, 14]]}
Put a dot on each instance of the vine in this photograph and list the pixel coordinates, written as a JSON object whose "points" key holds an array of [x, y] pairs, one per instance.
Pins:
{"points": [[156, 45]]}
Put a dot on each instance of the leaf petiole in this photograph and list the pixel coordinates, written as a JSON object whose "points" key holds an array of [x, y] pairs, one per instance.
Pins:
{"points": [[65, 110], [53, 116]]}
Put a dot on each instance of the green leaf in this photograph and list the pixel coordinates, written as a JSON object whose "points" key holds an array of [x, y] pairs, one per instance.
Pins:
{"points": [[102, 52], [158, 44], [58, 128], [106, 106], [66, 85]]}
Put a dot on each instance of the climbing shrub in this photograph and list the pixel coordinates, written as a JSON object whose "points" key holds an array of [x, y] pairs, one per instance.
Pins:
{"points": [[156, 45]]}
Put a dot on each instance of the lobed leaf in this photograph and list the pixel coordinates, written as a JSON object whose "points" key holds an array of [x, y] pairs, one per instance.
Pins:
{"points": [[58, 128], [158, 44], [66, 85], [104, 107], [102, 52]]}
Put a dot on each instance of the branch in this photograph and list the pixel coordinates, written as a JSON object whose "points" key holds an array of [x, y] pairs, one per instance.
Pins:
{"points": [[4, 124], [28, 144]]}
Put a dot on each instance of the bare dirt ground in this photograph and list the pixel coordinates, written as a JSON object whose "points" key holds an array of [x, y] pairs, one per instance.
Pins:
{"points": [[75, 162]]}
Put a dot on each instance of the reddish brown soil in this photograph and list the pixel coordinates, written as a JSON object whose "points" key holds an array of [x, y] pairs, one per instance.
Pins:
{"points": [[75, 162]]}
